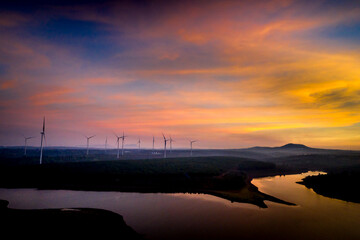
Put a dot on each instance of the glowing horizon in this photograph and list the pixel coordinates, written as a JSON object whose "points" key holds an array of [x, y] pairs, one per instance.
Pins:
{"points": [[231, 74]]}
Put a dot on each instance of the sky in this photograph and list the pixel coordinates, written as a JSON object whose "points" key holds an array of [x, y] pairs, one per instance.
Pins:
{"points": [[230, 74]]}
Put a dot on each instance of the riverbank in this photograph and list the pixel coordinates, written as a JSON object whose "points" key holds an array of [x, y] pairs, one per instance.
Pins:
{"points": [[340, 185], [225, 177]]}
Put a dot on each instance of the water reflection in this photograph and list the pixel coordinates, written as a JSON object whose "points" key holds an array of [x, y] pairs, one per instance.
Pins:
{"points": [[200, 216]]}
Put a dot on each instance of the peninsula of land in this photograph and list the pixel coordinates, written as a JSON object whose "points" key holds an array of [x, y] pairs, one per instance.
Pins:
{"points": [[340, 185]]}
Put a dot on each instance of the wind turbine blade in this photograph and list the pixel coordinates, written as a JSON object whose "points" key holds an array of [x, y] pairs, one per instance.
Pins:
{"points": [[92, 136], [164, 136], [44, 124]]}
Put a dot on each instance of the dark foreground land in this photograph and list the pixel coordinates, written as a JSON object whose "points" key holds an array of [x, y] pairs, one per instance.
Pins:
{"points": [[63, 223], [342, 184]]}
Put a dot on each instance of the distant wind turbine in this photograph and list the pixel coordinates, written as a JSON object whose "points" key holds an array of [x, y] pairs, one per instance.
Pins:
{"points": [[118, 142], [153, 143], [106, 144], [122, 144], [42, 141], [26, 139], [165, 140], [139, 142], [87, 143], [191, 146], [171, 140]]}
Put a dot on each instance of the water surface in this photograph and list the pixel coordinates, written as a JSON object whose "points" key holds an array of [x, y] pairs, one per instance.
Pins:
{"points": [[200, 216]]}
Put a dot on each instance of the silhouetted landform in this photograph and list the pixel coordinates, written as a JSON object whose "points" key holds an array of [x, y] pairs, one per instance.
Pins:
{"points": [[317, 162], [147, 171], [292, 150], [225, 177], [294, 146], [63, 223], [341, 185], [66, 154]]}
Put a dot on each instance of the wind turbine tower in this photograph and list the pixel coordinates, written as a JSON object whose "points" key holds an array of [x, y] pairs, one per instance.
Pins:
{"points": [[122, 143], [87, 144], [153, 143], [42, 141], [171, 140], [26, 139], [106, 144], [117, 141], [165, 141], [139, 142], [191, 146]]}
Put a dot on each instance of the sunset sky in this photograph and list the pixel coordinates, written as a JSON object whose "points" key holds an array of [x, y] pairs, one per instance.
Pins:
{"points": [[230, 74]]}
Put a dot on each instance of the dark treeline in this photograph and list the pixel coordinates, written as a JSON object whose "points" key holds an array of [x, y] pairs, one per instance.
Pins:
{"points": [[148, 171], [342, 183]]}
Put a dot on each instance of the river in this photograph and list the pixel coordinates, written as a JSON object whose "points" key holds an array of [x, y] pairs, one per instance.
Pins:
{"points": [[200, 216]]}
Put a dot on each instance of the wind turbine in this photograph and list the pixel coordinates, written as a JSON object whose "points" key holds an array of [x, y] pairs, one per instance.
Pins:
{"points": [[153, 143], [122, 144], [87, 143], [165, 140], [26, 138], [106, 144], [171, 140], [42, 140], [191, 143], [139, 142], [117, 141]]}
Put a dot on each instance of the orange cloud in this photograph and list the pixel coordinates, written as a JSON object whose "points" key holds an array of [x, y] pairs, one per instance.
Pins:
{"points": [[58, 95], [8, 84]]}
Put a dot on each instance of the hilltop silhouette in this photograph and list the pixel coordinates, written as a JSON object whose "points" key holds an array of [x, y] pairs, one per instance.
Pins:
{"points": [[294, 146]]}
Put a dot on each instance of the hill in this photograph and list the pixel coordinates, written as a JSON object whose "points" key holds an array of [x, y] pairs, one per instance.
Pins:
{"points": [[294, 146]]}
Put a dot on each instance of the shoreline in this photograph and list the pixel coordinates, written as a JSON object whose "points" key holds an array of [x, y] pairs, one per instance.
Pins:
{"points": [[225, 177], [247, 194], [341, 186]]}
